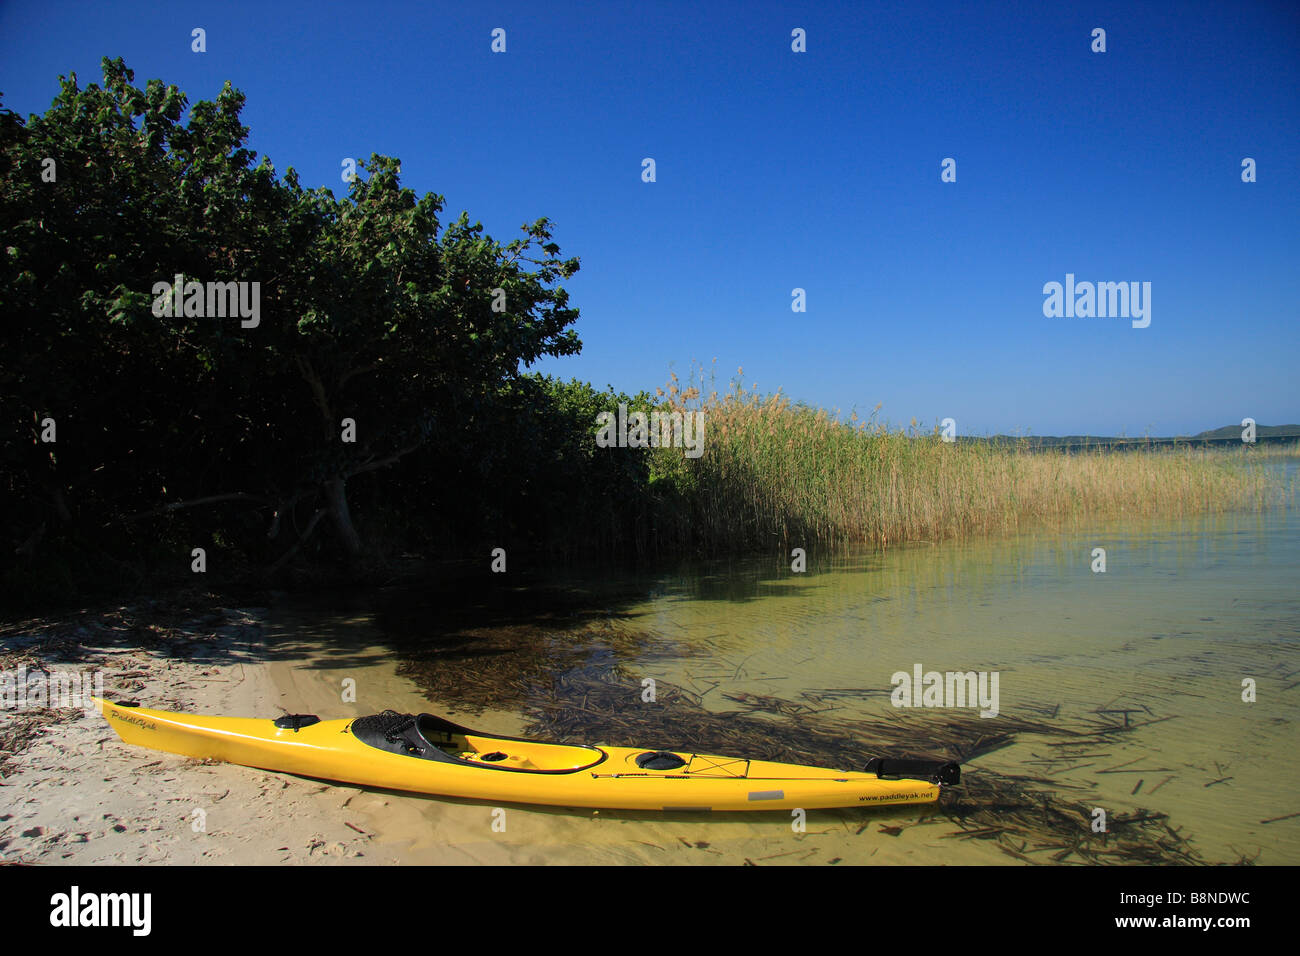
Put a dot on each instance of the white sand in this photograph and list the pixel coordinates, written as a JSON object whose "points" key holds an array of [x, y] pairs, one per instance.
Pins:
{"points": [[79, 795]]}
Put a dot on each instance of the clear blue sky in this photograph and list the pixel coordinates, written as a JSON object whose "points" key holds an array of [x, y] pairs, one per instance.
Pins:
{"points": [[818, 170]]}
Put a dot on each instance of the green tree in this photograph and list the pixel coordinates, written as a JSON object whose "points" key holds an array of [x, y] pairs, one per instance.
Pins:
{"points": [[370, 309]]}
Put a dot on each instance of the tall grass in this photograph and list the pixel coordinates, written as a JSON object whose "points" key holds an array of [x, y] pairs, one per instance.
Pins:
{"points": [[775, 472]]}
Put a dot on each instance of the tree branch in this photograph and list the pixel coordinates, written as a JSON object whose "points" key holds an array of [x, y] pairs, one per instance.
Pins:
{"points": [[353, 373], [384, 462], [193, 503], [311, 526], [286, 504], [318, 390]]}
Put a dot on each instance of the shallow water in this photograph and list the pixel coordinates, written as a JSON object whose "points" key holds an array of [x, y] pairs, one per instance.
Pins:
{"points": [[1183, 614]]}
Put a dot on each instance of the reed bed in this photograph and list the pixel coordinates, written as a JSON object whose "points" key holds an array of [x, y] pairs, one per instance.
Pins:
{"points": [[773, 471]]}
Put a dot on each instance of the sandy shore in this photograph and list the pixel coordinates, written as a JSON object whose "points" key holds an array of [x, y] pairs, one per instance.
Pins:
{"points": [[78, 795], [74, 793]]}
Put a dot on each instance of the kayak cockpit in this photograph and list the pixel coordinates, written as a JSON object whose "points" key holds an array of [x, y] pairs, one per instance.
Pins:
{"points": [[428, 737]]}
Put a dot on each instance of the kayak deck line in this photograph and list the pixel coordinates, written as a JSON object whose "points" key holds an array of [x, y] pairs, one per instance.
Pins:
{"points": [[427, 754]]}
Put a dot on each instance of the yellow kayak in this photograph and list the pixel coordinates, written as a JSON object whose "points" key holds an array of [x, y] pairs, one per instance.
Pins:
{"points": [[427, 754]]}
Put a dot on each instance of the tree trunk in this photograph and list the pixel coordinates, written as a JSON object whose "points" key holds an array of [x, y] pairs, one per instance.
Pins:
{"points": [[61, 506], [337, 500]]}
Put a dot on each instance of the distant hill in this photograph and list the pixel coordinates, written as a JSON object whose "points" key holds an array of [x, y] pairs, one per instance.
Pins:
{"points": [[1228, 433], [1261, 431]]}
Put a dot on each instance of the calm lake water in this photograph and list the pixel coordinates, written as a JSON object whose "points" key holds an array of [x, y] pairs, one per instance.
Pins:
{"points": [[1185, 612]]}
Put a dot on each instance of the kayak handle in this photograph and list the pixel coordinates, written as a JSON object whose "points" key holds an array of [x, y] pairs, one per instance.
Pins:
{"points": [[296, 721]]}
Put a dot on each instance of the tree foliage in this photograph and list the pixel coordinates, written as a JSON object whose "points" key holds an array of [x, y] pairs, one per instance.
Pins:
{"points": [[372, 308]]}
